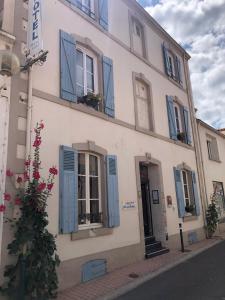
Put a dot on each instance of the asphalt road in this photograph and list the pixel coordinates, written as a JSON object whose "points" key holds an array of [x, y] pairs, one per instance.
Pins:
{"points": [[200, 278]]}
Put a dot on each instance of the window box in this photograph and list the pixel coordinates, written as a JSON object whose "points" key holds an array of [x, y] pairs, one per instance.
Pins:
{"points": [[91, 100]]}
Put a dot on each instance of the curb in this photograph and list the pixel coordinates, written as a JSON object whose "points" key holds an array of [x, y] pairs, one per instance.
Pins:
{"points": [[132, 285]]}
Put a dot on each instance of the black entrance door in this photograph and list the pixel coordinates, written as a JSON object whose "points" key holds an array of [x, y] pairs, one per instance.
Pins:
{"points": [[146, 201]]}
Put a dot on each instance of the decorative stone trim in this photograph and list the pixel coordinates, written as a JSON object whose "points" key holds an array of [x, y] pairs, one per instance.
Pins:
{"points": [[91, 233]]}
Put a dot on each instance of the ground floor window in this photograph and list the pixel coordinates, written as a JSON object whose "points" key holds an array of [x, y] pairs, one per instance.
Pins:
{"points": [[188, 192], [89, 190], [218, 192]]}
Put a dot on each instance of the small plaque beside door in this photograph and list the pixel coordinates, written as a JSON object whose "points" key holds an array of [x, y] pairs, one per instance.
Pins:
{"points": [[155, 196]]}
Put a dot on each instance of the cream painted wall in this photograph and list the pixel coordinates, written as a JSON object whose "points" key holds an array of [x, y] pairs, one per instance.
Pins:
{"points": [[124, 62], [64, 126], [8, 16], [214, 171]]}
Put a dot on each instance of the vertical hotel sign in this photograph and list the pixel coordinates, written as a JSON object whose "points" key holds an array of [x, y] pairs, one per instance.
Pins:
{"points": [[34, 40]]}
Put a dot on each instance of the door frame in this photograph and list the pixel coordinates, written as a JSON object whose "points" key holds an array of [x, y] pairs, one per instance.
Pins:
{"points": [[148, 160]]}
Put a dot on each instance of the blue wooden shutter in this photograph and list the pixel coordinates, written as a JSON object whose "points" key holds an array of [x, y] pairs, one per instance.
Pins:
{"points": [[68, 210], [179, 74], [67, 67], [103, 13], [171, 117], [195, 191], [112, 192], [166, 61], [187, 126], [179, 193], [108, 86]]}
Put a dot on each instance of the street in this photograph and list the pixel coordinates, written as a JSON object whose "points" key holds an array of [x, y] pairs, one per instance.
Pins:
{"points": [[200, 278]]}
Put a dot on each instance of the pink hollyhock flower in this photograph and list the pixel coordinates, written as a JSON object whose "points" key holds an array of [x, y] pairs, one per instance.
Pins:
{"points": [[9, 173], [36, 175], [50, 186], [18, 201], [7, 197], [19, 179], [41, 186], [26, 176], [27, 163], [42, 125], [2, 208], [53, 171], [37, 142]]}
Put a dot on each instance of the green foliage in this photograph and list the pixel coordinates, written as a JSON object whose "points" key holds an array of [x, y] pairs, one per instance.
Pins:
{"points": [[212, 218], [33, 246]]}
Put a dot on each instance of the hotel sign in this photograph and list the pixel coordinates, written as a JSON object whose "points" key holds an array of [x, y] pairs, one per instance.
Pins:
{"points": [[34, 41]]}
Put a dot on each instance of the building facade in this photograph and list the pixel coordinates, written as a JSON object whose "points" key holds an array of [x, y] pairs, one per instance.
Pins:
{"points": [[115, 97], [212, 143]]}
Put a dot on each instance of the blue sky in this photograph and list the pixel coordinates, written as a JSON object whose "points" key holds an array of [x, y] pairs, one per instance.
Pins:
{"points": [[199, 26]]}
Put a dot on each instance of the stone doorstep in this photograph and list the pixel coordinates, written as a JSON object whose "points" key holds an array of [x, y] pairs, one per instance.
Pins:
{"points": [[120, 281]]}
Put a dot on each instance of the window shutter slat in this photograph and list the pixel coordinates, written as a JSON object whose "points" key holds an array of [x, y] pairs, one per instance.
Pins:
{"points": [[108, 86], [196, 196], [166, 61], [103, 13], [112, 192], [68, 210], [179, 193], [67, 67], [187, 126], [179, 74], [171, 117]]}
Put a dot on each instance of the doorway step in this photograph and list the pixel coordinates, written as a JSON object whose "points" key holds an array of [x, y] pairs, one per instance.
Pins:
{"points": [[154, 248]]}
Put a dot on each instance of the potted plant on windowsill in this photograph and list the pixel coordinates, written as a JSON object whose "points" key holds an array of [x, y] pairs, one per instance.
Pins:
{"points": [[181, 136], [190, 209], [91, 99]]}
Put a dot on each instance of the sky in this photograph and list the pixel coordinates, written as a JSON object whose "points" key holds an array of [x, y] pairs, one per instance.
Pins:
{"points": [[199, 26]]}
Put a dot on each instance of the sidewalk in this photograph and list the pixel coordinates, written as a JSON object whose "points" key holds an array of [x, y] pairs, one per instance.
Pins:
{"points": [[119, 282]]}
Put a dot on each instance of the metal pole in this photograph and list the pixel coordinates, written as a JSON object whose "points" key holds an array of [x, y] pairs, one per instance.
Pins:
{"points": [[29, 114], [181, 238]]}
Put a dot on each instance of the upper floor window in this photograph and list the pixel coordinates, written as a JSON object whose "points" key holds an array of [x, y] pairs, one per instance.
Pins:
{"points": [[86, 72], [143, 105], [89, 190], [172, 64], [96, 9], [137, 37], [178, 120], [86, 75], [212, 147]]}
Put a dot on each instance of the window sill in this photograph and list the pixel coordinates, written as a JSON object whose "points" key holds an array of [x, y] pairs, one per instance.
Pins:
{"points": [[190, 218], [215, 160], [90, 233]]}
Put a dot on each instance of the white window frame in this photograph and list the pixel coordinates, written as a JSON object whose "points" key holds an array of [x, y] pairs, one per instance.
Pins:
{"points": [[209, 148], [178, 118], [188, 188], [172, 62], [89, 53], [87, 189], [91, 8]]}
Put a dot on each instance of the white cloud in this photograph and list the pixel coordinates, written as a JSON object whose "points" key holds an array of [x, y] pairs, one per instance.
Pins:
{"points": [[200, 24]]}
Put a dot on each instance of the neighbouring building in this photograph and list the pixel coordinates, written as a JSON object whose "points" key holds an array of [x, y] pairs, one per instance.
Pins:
{"points": [[128, 159], [212, 143]]}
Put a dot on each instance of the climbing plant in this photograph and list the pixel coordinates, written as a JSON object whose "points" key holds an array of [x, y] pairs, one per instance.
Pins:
{"points": [[33, 275], [212, 218]]}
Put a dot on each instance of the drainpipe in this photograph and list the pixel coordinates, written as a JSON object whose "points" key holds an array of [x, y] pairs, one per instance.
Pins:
{"points": [[29, 113], [196, 143]]}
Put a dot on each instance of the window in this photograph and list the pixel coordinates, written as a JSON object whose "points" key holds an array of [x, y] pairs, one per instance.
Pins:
{"points": [[86, 72], [87, 6], [172, 64], [144, 120], [218, 192], [212, 147], [137, 39], [188, 192], [89, 190], [178, 119]]}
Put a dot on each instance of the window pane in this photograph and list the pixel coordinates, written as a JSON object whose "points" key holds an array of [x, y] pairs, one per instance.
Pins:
{"points": [[94, 188], [90, 82], [186, 191], [184, 177], [80, 58], [81, 187], [80, 90], [93, 165], [82, 212], [81, 163], [89, 64], [95, 217], [80, 75]]}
